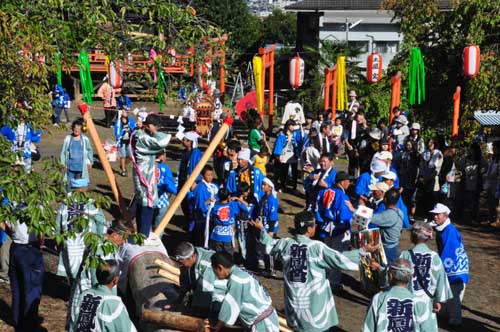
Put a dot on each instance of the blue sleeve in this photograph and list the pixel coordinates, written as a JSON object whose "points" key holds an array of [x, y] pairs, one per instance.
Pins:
{"points": [[195, 158], [273, 215], [128, 102], [231, 183], [330, 179], [117, 129], [132, 124], [362, 186], [308, 180], [8, 133], [200, 197], [279, 145], [401, 205], [170, 182], [35, 135]]}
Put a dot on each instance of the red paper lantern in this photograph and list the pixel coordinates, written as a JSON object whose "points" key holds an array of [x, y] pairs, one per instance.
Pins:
{"points": [[115, 74], [374, 67], [472, 58], [296, 72]]}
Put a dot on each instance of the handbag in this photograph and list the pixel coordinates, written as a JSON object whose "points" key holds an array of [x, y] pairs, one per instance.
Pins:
{"points": [[35, 152]]}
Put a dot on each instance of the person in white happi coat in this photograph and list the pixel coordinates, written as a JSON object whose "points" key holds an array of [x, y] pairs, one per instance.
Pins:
{"points": [[429, 282], [69, 221], [398, 309], [309, 303]]}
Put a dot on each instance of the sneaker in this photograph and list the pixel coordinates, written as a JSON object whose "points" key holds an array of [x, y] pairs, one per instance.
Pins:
{"points": [[261, 264], [124, 174]]}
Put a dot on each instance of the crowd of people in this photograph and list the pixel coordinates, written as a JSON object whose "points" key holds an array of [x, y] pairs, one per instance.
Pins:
{"points": [[231, 215]]}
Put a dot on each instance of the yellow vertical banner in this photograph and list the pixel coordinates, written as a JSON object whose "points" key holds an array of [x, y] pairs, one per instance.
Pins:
{"points": [[259, 88], [341, 84]]}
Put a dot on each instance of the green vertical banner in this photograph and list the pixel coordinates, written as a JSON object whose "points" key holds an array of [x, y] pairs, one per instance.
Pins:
{"points": [[85, 78], [416, 78], [58, 69], [162, 84]]}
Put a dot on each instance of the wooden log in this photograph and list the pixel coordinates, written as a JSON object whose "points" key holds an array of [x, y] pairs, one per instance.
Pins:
{"points": [[283, 324], [167, 267], [192, 178], [84, 110], [169, 276], [173, 320]]}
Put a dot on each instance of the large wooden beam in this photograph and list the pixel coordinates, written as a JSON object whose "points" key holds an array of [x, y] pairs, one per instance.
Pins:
{"points": [[84, 110], [192, 178], [177, 321]]}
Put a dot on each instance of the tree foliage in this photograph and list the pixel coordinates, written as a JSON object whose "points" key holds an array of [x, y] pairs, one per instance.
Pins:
{"points": [[442, 36], [279, 27], [32, 30]]}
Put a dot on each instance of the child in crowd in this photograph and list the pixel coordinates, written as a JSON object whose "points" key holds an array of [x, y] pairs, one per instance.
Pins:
{"points": [[261, 159], [337, 131], [223, 217], [267, 211], [166, 186], [204, 198]]}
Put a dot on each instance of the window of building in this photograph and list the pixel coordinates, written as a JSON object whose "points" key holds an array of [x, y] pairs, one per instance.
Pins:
{"points": [[386, 46], [362, 46]]}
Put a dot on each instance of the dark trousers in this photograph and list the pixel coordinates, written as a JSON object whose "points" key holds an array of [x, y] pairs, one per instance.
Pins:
{"points": [[26, 272], [222, 246], [281, 173], [144, 219], [198, 233], [335, 242], [109, 116], [57, 114]]}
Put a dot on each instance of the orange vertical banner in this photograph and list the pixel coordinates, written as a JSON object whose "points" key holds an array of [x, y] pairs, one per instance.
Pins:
{"points": [[456, 112], [395, 94], [327, 89], [333, 105]]}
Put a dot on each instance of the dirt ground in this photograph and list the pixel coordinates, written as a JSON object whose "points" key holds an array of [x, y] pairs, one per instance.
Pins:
{"points": [[481, 305]]}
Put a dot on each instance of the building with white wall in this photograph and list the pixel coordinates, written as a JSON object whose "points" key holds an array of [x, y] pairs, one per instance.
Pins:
{"points": [[361, 22]]}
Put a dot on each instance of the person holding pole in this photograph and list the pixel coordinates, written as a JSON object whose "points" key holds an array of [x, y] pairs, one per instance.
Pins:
{"points": [[146, 144]]}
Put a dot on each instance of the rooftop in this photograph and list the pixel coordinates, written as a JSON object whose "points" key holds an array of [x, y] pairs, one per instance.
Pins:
{"points": [[320, 5]]}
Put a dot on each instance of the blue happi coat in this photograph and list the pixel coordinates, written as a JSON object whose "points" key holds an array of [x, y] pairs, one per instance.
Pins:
{"points": [[31, 136], [452, 252], [332, 214], [268, 211], [232, 182], [223, 216]]}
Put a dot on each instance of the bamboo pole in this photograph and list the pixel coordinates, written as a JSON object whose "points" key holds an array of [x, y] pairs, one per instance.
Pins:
{"points": [[169, 276], [167, 267], [177, 321], [192, 178], [84, 110]]}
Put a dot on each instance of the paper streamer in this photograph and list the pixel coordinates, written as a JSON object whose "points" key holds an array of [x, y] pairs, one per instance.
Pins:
{"points": [[416, 79], [85, 78], [162, 84], [259, 88], [58, 69], [341, 84]]}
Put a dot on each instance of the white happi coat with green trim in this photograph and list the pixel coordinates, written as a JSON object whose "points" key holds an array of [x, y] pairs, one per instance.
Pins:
{"points": [[434, 277], [100, 310], [209, 291], [246, 299], [309, 302], [397, 310], [71, 256]]}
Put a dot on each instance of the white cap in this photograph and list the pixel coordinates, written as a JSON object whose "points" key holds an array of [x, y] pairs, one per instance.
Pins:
{"points": [[352, 93], [268, 181], [379, 186], [378, 166], [384, 155], [141, 116], [402, 119], [244, 154], [193, 137], [375, 133], [415, 126], [440, 208], [389, 175]]}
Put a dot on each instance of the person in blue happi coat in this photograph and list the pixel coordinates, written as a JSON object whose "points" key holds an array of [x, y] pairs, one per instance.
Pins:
{"points": [[204, 197], [190, 157], [166, 186], [362, 190], [321, 178], [334, 212], [21, 138], [451, 249], [246, 172], [389, 179], [267, 211], [287, 150], [223, 216]]}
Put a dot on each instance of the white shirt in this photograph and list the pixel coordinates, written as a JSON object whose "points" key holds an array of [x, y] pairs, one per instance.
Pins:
{"points": [[188, 112], [20, 234], [292, 112]]}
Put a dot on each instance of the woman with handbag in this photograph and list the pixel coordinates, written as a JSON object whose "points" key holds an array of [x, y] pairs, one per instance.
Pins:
{"points": [[286, 152]]}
